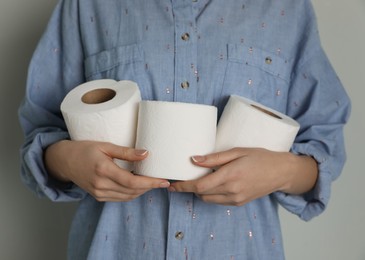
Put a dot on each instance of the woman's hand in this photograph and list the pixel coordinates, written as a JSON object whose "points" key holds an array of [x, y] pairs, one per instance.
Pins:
{"points": [[90, 165], [245, 174]]}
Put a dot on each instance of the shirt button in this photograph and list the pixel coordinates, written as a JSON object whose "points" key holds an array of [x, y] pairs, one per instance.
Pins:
{"points": [[179, 235], [185, 85], [185, 37], [268, 60]]}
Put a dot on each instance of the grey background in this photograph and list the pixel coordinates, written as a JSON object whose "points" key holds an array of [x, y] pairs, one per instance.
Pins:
{"points": [[36, 229]]}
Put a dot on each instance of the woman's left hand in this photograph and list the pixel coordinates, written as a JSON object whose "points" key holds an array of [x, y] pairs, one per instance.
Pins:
{"points": [[245, 174]]}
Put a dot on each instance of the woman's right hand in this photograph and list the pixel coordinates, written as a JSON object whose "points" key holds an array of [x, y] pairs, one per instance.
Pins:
{"points": [[90, 165]]}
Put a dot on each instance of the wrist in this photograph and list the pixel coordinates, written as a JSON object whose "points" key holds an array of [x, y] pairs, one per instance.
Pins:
{"points": [[300, 173], [53, 160]]}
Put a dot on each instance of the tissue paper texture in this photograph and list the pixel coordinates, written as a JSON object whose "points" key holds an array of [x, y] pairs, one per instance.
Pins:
{"points": [[172, 132], [245, 123], [103, 110]]}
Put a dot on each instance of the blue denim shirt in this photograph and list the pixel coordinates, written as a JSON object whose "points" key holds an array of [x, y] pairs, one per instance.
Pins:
{"points": [[197, 51]]}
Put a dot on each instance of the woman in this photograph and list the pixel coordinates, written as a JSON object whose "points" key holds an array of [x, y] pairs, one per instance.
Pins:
{"points": [[197, 52]]}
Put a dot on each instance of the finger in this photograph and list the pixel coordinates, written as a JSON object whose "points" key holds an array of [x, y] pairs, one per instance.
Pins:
{"points": [[124, 153], [219, 158], [143, 182], [113, 196], [222, 200], [103, 186], [216, 199], [183, 186], [136, 182], [105, 189], [209, 184], [108, 169]]}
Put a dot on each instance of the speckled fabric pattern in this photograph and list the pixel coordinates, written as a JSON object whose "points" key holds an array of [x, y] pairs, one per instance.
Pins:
{"points": [[195, 51]]}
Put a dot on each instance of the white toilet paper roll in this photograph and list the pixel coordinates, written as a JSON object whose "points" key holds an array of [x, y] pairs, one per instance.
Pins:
{"points": [[172, 132], [245, 123], [103, 110]]}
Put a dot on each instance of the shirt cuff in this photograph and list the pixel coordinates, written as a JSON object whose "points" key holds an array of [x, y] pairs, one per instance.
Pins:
{"points": [[35, 175], [314, 202]]}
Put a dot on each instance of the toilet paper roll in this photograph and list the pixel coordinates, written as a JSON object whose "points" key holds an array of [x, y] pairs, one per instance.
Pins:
{"points": [[245, 123], [172, 132], [103, 110]]}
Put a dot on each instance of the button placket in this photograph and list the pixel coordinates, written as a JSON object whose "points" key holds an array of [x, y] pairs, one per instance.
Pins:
{"points": [[179, 225], [185, 84], [185, 51]]}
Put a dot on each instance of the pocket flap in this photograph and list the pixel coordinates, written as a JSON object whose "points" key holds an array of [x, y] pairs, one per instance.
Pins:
{"points": [[264, 60], [111, 58]]}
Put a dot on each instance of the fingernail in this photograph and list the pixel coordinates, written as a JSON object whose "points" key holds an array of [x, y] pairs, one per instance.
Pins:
{"points": [[165, 184], [141, 152], [198, 158]]}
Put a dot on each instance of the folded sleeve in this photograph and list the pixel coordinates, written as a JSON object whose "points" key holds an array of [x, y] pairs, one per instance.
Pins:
{"points": [[55, 68], [319, 102]]}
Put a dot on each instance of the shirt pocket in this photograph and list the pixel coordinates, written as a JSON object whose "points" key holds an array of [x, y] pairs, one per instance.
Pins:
{"points": [[120, 63], [258, 75]]}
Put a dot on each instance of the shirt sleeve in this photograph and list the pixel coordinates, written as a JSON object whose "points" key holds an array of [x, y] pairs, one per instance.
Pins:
{"points": [[318, 101], [55, 68]]}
